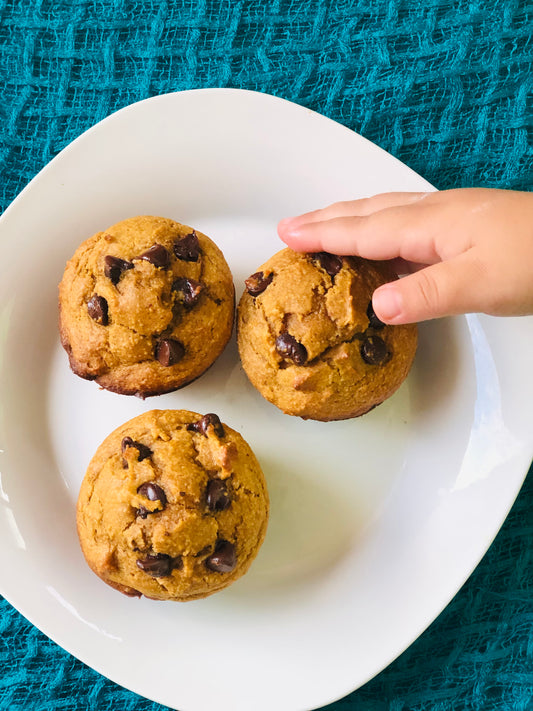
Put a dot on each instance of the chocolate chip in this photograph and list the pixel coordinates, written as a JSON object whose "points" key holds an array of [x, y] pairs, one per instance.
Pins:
{"points": [[153, 492], [209, 420], [126, 442], [217, 495], [114, 267], [144, 451], [97, 308], [159, 565], [331, 263], [258, 282], [188, 290], [373, 320], [187, 248], [156, 255], [374, 351], [223, 560], [169, 352], [288, 347]]}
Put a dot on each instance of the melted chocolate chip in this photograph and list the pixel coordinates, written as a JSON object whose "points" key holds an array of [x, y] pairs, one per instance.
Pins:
{"points": [[97, 308], [188, 290], [156, 255], [114, 267], [209, 420], [187, 248], [159, 565], [288, 347], [217, 495], [258, 282], [144, 451], [374, 351], [331, 263], [169, 352], [153, 492], [223, 560], [373, 320]]}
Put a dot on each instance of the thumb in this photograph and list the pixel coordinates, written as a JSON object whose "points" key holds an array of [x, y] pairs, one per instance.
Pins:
{"points": [[443, 289]]}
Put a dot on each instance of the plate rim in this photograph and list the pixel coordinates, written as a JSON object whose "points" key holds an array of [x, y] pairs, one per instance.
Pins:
{"points": [[71, 146]]}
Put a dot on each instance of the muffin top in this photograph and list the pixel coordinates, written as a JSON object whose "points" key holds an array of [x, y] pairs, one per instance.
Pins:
{"points": [[310, 342], [145, 306], [173, 506]]}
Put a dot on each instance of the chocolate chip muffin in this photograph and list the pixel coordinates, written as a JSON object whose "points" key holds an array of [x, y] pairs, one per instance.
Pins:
{"points": [[310, 342], [145, 306], [173, 506]]}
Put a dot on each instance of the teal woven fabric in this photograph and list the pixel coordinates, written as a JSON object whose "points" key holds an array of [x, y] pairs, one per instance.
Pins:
{"points": [[447, 87]]}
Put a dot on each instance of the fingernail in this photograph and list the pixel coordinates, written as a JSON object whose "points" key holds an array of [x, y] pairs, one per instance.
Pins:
{"points": [[288, 231], [387, 303]]}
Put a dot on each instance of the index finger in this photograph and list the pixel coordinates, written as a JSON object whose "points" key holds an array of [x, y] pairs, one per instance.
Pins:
{"points": [[406, 231]]}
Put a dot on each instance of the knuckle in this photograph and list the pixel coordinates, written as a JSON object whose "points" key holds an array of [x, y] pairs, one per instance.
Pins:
{"points": [[428, 291]]}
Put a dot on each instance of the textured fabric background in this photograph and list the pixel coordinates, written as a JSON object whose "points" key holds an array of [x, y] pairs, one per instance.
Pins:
{"points": [[447, 87]]}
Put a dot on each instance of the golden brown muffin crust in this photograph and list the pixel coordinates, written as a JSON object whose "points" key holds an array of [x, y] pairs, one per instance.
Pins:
{"points": [[310, 342], [138, 313], [173, 506]]}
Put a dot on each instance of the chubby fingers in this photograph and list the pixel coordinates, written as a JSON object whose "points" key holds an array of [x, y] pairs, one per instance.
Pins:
{"points": [[350, 208], [442, 289], [407, 231]]}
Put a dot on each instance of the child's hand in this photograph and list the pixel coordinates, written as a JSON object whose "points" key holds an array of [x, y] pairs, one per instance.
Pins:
{"points": [[468, 250]]}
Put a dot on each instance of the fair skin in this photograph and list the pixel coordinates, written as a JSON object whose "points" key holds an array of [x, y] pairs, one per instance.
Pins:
{"points": [[465, 250]]}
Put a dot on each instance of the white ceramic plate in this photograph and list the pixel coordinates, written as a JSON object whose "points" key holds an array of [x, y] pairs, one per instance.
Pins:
{"points": [[376, 522]]}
